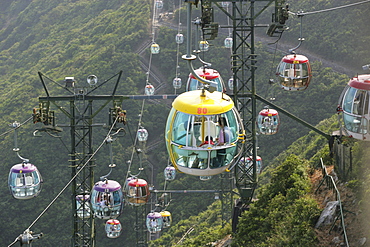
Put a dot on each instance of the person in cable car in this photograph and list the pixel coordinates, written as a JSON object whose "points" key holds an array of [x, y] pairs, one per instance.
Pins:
{"points": [[195, 116], [225, 134], [208, 140], [106, 199]]}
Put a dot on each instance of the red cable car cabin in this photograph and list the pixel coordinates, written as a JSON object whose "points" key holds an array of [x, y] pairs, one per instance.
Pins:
{"points": [[208, 74], [294, 72], [137, 192], [268, 121], [355, 105]]}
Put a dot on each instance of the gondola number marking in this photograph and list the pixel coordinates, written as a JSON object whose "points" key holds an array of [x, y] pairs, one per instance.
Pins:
{"points": [[202, 110]]}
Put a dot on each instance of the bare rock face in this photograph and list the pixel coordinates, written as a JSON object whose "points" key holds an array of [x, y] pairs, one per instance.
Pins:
{"points": [[328, 214]]}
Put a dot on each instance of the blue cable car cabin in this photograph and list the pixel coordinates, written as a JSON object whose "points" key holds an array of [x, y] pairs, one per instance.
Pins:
{"points": [[24, 181], [203, 145], [355, 106], [106, 199], [208, 74]]}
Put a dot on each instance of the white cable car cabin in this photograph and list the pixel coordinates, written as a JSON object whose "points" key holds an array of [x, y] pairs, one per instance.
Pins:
{"points": [[294, 72], [169, 173], [177, 83], [142, 135], [113, 228], [137, 191], [154, 222], [159, 4], [355, 106], [83, 206], [24, 181], [268, 121], [203, 131], [228, 42], [208, 74], [179, 38], [106, 199]]}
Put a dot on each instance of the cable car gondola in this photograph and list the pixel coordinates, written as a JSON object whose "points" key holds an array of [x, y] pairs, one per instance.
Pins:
{"points": [[137, 191], [154, 222], [294, 72], [177, 83], [149, 89], [167, 218], [179, 38], [142, 134], [154, 48], [169, 173], [106, 199], [113, 228], [355, 105], [268, 121], [228, 42], [24, 181], [159, 4], [202, 133], [248, 163], [208, 74], [83, 206]]}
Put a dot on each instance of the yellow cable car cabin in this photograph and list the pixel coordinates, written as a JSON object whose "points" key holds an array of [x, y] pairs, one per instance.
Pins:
{"points": [[203, 131]]}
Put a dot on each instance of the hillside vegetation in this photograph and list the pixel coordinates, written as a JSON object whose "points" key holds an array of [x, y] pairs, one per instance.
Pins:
{"points": [[81, 37]]}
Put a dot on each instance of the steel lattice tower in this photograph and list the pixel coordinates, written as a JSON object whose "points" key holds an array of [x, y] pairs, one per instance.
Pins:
{"points": [[80, 114]]}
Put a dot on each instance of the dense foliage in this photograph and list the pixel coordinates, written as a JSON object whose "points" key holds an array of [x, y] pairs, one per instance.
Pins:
{"points": [[284, 214], [200, 230]]}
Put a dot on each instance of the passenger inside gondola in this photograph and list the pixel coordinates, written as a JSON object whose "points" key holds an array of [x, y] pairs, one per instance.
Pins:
{"points": [[207, 141], [359, 103], [225, 135]]}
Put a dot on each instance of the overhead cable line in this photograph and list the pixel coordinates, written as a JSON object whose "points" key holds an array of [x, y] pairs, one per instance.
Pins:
{"points": [[330, 9], [134, 149], [26, 121]]}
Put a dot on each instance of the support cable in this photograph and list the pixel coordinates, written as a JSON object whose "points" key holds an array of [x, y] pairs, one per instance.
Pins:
{"points": [[134, 149], [177, 73]]}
